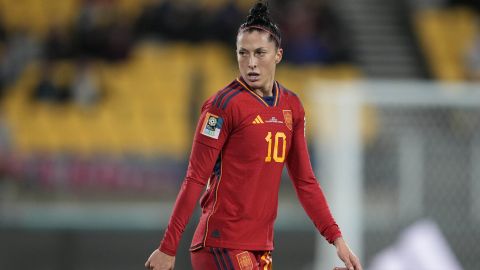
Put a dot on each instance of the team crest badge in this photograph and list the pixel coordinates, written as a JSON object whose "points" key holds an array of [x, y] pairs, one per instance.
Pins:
{"points": [[244, 261], [287, 115], [212, 126]]}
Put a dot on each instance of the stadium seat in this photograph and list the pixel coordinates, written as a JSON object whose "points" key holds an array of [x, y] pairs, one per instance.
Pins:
{"points": [[148, 105], [445, 36], [41, 15]]}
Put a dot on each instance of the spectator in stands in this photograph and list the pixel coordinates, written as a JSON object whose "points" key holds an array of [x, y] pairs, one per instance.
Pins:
{"points": [[88, 32], [47, 90], [58, 44], [303, 45], [225, 21], [191, 26], [331, 30], [152, 19], [85, 88], [312, 33], [101, 32], [20, 49], [161, 19], [119, 40]]}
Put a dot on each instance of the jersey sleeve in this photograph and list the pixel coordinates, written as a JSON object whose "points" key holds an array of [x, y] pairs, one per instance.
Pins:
{"points": [[306, 185], [213, 127], [210, 135]]}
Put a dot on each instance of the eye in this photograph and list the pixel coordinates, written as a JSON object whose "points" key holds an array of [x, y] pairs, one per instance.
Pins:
{"points": [[242, 53], [261, 53]]}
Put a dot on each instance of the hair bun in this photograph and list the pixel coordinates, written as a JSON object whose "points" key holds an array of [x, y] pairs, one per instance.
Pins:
{"points": [[259, 17], [259, 14]]}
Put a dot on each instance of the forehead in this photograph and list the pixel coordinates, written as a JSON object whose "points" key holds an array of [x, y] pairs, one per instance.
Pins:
{"points": [[254, 39]]}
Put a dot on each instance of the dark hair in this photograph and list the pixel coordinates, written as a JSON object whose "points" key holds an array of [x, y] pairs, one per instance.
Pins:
{"points": [[259, 19]]}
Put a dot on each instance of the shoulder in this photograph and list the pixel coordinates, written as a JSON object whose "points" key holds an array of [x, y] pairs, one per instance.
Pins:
{"points": [[285, 91], [290, 96], [223, 98]]}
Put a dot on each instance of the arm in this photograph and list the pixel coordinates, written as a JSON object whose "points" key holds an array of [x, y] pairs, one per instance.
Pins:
{"points": [[202, 161], [205, 151], [200, 167], [306, 185], [311, 195]]}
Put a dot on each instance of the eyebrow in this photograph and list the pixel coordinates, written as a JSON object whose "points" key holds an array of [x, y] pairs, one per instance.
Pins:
{"points": [[256, 49]]}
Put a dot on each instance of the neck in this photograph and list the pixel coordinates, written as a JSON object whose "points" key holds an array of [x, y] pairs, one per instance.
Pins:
{"points": [[265, 91]]}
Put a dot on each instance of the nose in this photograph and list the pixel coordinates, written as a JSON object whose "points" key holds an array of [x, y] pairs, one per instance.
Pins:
{"points": [[252, 62]]}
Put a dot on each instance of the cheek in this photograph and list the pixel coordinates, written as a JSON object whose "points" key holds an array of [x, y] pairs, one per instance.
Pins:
{"points": [[242, 65], [240, 62], [269, 64]]}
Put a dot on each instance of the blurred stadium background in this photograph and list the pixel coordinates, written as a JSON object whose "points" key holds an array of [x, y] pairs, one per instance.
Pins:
{"points": [[99, 98]]}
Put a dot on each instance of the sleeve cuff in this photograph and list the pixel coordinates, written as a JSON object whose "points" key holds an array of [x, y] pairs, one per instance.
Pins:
{"points": [[332, 233], [166, 250], [335, 237]]}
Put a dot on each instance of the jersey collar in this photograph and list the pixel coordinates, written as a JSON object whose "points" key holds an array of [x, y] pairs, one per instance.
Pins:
{"points": [[276, 93]]}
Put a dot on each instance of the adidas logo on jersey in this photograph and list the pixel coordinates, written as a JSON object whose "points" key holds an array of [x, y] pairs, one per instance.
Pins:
{"points": [[258, 120]]}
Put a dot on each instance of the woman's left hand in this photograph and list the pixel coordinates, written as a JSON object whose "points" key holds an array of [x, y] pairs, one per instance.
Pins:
{"points": [[346, 255]]}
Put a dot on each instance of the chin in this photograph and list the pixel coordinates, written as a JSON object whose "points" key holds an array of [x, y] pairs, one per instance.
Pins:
{"points": [[255, 85]]}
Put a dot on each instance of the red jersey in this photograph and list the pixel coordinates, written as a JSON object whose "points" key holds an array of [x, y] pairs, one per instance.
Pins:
{"points": [[240, 147]]}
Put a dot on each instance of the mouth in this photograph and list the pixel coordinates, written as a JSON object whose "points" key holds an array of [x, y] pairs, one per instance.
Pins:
{"points": [[253, 76]]}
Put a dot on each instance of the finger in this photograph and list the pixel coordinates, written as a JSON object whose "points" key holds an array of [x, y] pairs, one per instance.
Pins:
{"points": [[357, 264], [349, 264], [346, 261], [147, 264]]}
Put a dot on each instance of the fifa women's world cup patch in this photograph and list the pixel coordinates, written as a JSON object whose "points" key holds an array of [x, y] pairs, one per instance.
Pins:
{"points": [[212, 126]]}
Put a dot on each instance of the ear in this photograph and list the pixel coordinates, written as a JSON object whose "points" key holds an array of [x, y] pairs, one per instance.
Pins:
{"points": [[279, 55]]}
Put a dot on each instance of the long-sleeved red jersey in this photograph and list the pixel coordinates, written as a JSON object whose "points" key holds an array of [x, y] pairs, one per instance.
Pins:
{"points": [[239, 150]]}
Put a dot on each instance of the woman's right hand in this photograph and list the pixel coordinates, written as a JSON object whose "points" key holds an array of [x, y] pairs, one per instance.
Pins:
{"points": [[160, 261]]}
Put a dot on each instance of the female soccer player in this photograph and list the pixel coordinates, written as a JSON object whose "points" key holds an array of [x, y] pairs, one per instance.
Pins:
{"points": [[245, 135]]}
